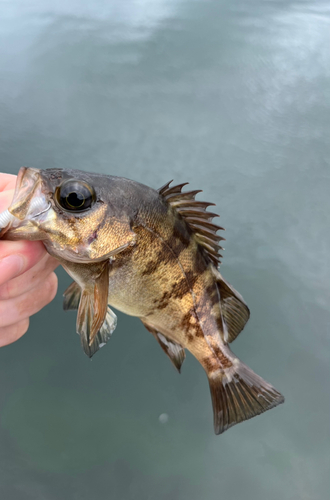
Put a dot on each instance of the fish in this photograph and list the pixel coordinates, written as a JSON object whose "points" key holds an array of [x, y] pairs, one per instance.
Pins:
{"points": [[150, 253]]}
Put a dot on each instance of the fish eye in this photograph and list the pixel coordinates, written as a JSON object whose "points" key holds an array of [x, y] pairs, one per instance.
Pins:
{"points": [[75, 196]]}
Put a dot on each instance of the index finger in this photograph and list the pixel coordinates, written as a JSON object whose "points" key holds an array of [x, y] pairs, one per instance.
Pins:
{"points": [[16, 257], [7, 186], [7, 181], [5, 199]]}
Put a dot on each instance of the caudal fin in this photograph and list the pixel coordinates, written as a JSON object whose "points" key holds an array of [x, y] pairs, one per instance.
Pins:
{"points": [[238, 395]]}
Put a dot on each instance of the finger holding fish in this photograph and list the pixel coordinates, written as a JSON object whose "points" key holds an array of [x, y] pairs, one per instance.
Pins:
{"points": [[11, 333], [19, 308], [17, 257], [7, 182], [25, 267], [30, 279]]}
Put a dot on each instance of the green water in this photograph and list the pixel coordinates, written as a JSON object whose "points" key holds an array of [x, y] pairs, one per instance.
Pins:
{"points": [[233, 97]]}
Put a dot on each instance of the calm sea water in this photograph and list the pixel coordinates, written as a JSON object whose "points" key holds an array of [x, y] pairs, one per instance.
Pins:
{"points": [[233, 97]]}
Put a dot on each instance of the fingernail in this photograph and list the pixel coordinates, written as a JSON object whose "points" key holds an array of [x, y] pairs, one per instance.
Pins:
{"points": [[10, 267]]}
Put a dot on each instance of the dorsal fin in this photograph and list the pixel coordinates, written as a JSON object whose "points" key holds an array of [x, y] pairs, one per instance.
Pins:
{"points": [[235, 312], [197, 217]]}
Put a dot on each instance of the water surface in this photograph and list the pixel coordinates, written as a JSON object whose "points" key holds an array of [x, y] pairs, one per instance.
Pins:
{"points": [[233, 97]]}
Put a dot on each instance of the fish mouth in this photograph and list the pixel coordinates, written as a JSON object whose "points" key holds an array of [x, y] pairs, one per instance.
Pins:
{"points": [[28, 203]]}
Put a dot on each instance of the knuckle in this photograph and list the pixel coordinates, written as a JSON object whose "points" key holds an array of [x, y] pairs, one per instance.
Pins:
{"points": [[6, 290], [22, 328], [51, 285], [12, 333]]}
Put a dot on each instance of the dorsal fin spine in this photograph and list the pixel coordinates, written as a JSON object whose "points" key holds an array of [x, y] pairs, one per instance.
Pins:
{"points": [[196, 217], [180, 196], [165, 187]]}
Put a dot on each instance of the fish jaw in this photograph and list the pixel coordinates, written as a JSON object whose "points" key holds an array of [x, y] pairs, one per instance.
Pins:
{"points": [[34, 214], [30, 206]]}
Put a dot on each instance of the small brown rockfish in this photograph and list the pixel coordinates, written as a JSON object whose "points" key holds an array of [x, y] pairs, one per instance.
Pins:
{"points": [[151, 254]]}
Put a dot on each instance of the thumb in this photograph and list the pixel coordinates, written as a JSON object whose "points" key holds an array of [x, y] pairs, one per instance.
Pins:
{"points": [[5, 199]]}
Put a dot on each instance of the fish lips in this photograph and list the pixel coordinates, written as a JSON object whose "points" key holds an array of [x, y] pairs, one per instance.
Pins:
{"points": [[29, 199], [28, 180]]}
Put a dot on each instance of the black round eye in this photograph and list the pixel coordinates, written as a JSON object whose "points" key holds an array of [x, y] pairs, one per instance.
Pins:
{"points": [[75, 196]]}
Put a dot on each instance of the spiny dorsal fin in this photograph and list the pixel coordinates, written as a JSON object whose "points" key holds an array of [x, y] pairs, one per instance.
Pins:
{"points": [[197, 217]]}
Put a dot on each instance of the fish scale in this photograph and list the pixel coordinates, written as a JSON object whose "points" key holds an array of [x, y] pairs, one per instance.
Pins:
{"points": [[149, 253]]}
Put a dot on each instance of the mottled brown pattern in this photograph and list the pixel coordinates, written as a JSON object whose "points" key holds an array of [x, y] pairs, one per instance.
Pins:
{"points": [[211, 364], [163, 302], [178, 290], [191, 326], [176, 247], [212, 294], [180, 232], [225, 362], [199, 262], [150, 268], [151, 254], [191, 278], [166, 251]]}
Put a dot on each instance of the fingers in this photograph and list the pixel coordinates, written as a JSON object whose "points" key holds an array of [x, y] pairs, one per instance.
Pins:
{"points": [[7, 181], [13, 311], [30, 279], [5, 199], [7, 187], [17, 257], [27, 280], [11, 333]]}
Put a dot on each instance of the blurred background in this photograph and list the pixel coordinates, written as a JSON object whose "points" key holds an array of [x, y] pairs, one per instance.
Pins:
{"points": [[234, 97]]}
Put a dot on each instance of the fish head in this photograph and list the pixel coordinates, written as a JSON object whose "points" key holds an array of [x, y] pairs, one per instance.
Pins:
{"points": [[79, 216]]}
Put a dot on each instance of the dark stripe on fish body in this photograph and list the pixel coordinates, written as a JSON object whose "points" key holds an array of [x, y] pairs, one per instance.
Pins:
{"points": [[219, 321], [180, 232], [169, 252], [185, 321], [212, 294], [191, 277], [178, 291], [194, 329], [163, 301], [200, 264], [176, 245], [150, 268], [225, 362], [181, 288], [211, 364]]}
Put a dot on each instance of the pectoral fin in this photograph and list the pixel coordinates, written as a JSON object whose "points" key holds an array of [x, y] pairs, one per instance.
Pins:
{"points": [[175, 351], [71, 297], [102, 336], [71, 302], [93, 305], [95, 320]]}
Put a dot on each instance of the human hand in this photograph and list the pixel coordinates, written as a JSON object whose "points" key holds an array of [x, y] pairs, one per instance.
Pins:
{"points": [[27, 280]]}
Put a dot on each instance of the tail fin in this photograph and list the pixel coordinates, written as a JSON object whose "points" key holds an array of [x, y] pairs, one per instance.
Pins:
{"points": [[239, 395]]}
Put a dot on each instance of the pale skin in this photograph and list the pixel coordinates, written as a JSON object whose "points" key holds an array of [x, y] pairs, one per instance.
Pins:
{"points": [[27, 279]]}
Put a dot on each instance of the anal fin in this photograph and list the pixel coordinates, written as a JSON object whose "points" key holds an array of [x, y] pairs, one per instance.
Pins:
{"points": [[174, 351], [71, 297]]}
